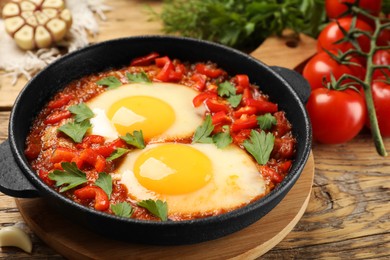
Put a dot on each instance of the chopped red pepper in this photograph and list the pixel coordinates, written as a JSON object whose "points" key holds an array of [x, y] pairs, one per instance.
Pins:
{"points": [[215, 106], [241, 136], [93, 158], [145, 60], [220, 118], [60, 102], [274, 176], [63, 154], [160, 62], [242, 82], [57, 116], [244, 122], [90, 140], [102, 202], [247, 110], [262, 106], [208, 70], [199, 81], [199, 99], [107, 149]]}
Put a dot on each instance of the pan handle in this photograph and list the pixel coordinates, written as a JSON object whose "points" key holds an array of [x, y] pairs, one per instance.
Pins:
{"points": [[297, 82], [12, 180]]}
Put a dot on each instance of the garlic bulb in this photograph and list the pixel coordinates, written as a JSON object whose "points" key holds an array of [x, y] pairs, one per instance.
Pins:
{"points": [[36, 23]]}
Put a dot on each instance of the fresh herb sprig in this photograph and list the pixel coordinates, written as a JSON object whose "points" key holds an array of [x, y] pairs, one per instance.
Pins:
{"points": [[70, 177], [241, 24]]}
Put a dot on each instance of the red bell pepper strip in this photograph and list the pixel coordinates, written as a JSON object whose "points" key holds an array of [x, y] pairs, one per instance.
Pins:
{"points": [[107, 149], [199, 81], [244, 122], [102, 202], [60, 102], [145, 60], [262, 106], [57, 116], [215, 106], [199, 99], [220, 118], [208, 70], [247, 110], [93, 158], [63, 154]]}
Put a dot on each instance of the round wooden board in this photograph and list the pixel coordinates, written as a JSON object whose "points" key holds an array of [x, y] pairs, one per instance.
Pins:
{"points": [[75, 242]]}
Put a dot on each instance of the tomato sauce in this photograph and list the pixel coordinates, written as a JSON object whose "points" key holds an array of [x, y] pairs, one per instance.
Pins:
{"points": [[47, 148]]}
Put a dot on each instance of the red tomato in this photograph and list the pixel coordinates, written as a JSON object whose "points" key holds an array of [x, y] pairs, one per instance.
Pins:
{"points": [[322, 65], [381, 57], [335, 8], [332, 34], [384, 38], [336, 116], [381, 95]]}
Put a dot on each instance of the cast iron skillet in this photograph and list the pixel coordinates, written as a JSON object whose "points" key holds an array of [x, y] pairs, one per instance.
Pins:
{"points": [[17, 179]]}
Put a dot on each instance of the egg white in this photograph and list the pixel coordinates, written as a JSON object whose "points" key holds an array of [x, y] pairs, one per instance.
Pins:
{"points": [[235, 182], [179, 97]]}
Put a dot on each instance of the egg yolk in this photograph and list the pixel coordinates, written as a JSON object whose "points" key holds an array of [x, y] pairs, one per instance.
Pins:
{"points": [[173, 169], [151, 115]]}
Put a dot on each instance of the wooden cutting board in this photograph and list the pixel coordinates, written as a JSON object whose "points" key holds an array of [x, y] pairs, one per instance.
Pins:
{"points": [[75, 242]]}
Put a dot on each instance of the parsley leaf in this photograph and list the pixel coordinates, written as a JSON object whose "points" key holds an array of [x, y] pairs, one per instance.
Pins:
{"points": [[202, 132], [81, 112], [122, 209], [141, 77], [136, 139], [119, 152], [223, 139], [260, 145], [105, 182], [74, 130], [226, 89], [111, 82], [158, 208], [266, 121], [71, 175], [234, 100]]}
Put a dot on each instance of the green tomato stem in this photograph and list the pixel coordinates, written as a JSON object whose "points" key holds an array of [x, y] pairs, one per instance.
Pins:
{"points": [[376, 134]]}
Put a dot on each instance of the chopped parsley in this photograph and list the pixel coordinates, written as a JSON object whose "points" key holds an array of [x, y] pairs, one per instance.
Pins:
{"points": [[223, 139], [119, 152], [136, 139], [140, 77], [105, 182], [260, 145], [122, 209], [158, 208], [266, 121], [111, 82], [202, 132], [75, 130], [71, 176]]}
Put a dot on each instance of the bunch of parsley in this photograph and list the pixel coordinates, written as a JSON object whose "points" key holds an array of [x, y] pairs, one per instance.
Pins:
{"points": [[241, 24]]}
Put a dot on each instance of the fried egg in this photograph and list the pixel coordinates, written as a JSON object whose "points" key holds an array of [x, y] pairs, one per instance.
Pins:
{"points": [[192, 178], [161, 110]]}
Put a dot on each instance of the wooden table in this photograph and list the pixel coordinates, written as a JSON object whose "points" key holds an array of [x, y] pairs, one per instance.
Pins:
{"points": [[348, 215]]}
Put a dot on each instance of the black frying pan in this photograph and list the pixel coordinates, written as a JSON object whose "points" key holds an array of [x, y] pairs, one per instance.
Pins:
{"points": [[285, 87]]}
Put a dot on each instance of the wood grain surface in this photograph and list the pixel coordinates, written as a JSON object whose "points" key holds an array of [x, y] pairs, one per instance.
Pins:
{"points": [[348, 216]]}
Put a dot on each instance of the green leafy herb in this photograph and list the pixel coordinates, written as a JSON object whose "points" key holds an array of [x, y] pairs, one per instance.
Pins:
{"points": [[74, 130], [202, 132], [226, 89], [105, 182], [81, 112], [119, 152], [234, 100], [266, 121], [140, 77], [136, 139], [260, 145], [122, 209], [111, 82], [158, 208], [242, 24], [70, 176], [223, 139]]}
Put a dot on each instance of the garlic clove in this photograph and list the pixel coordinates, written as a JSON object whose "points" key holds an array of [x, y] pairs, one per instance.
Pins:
{"points": [[57, 4], [27, 6], [57, 28], [42, 37], [13, 24], [67, 17], [10, 10], [24, 37], [13, 236]]}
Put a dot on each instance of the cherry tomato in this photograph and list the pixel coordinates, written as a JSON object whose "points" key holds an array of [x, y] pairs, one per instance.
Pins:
{"points": [[336, 116], [381, 57], [335, 8], [322, 65], [381, 95], [384, 38], [332, 34]]}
